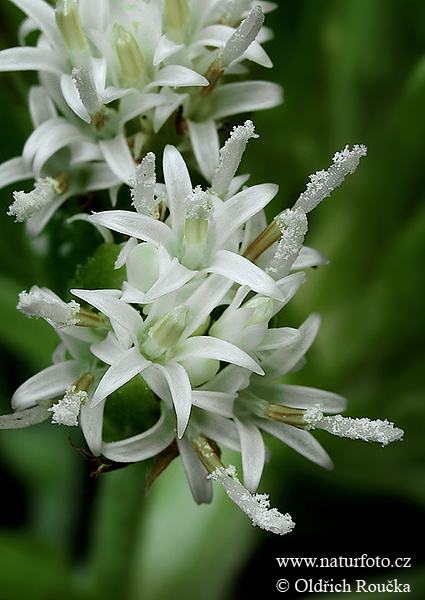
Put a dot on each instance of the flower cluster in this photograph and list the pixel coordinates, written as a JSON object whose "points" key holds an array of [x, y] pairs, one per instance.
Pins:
{"points": [[193, 322], [186, 355], [117, 79]]}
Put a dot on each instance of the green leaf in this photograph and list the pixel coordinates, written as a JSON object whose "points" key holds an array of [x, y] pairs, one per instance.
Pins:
{"points": [[98, 271]]}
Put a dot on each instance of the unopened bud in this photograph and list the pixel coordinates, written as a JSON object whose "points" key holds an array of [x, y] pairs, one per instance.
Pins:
{"points": [[69, 24], [128, 52]]}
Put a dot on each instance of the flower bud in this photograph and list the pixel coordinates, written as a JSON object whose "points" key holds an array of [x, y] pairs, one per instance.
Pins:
{"points": [[69, 24], [128, 52], [177, 13]]}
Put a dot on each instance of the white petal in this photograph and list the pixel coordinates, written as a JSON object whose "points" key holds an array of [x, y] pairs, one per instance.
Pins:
{"points": [[27, 58], [289, 285], [243, 271], [91, 422], [118, 156], [43, 15], [119, 312], [299, 396], [164, 49], [206, 146], [196, 473], [72, 97], [136, 225], [36, 223], [234, 213], [177, 76], [230, 380], [131, 363], [220, 403], [144, 445], [181, 393], [170, 101], [14, 169], [300, 440], [48, 138], [209, 347], [108, 350], [308, 257], [253, 453], [285, 359], [100, 177], [279, 337], [206, 297], [40, 105], [172, 279], [218, 428], [46, 385], [179, 186], [246, 96]]}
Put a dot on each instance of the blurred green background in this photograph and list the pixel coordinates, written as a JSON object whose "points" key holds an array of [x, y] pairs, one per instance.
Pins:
{"points": [[353, 71]]}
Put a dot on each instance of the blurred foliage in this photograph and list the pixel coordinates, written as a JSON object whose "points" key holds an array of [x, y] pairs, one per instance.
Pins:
{"points": [[353, 72]]}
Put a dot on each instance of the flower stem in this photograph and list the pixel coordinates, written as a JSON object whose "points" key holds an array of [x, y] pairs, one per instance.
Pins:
{"points": [[117, 515]]}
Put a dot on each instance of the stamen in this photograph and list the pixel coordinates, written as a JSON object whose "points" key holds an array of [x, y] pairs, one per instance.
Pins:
{"points": [[364, 429], [128, 52], [323, 182], [85, 88], [235, 46], [293, 224], [25, 204], [88, 318], [289, 228], [143, 187], [287, 414], [67, 409], [40, 302], [69, 24], [230, 157], [257, 506]]}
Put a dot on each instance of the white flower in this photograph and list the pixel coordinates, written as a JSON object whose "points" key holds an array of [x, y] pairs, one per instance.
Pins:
{"points": [[279, 247], [287, 412], [204, 231], [112, 73], [167, 349]]}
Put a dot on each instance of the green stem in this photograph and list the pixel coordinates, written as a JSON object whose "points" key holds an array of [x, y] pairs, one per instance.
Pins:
{"points": [[116, 517]]}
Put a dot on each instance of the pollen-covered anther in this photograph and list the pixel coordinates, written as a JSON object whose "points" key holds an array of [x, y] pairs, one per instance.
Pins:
{"points": [[69, 24], [199, 211], [381, 431], [89, 97], [235, 46], [230, 157], [25, 204], [66, 410], [143, 187], [257, 506], [39, 302], [128, 52]]}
